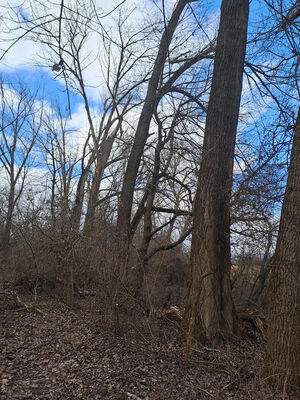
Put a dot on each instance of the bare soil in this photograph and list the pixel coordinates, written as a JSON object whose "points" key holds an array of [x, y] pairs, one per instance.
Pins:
{"points": [[71, 354]]}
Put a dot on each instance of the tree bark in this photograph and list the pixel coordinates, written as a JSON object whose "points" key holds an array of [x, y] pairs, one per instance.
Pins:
{"points": [[209, 280], [282, 361]]}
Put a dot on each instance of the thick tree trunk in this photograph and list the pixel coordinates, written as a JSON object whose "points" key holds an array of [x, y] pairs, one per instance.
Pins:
{"points": [[282, 362], [142, 132], [210, 252]]}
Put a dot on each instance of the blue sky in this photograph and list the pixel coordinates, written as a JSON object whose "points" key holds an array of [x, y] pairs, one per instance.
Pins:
{"points": [[20, 65], [37, 80], [34, 76]]}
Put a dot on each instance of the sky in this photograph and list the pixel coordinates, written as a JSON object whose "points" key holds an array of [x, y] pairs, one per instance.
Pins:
{"points": [[31, 63], [21, 61]]}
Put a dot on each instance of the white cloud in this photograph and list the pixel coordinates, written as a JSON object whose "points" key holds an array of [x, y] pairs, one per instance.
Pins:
{"points": [[25, 52], [18, 53]]}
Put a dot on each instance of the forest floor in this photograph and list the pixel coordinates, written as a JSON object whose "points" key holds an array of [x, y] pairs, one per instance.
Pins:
{"points": [[70, 354]]}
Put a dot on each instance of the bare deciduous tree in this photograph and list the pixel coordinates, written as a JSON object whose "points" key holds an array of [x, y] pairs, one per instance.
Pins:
{"points": [[142, 131], [20, 125]]}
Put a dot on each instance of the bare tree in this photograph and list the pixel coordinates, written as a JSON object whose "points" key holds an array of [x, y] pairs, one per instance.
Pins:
{"points": [[61, 159], [142, 131], [20, 125], [66, 40]]}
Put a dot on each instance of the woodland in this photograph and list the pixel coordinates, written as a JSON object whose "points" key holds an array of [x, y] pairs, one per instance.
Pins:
{"points": [[150, 200]]}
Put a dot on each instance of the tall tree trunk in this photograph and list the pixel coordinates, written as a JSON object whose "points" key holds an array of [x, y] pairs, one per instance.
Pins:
{"points": [[101, 163], [142, 131], [6, 236], [213, 312], [282, 362], [147, 232], [78, 204]]}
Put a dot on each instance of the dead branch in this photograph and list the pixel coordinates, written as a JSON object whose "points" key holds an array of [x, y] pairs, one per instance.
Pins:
{"points": [[27, 306]]}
